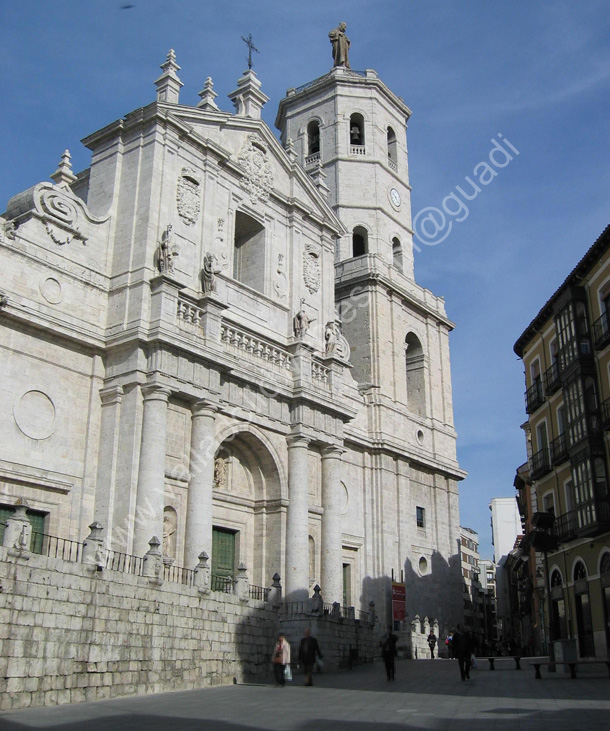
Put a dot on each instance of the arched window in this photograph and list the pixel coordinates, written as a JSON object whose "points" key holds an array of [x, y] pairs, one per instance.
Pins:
{"points": [[392, 151], [414, 361], [356, 132], [360, 241], [397, 254], [580, 571], [558, 607], [313, 138], [584, 619], [249, 251]]}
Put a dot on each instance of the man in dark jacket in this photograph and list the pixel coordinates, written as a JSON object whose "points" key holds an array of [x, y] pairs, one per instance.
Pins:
{"points": [[388, 652], [462, 649], [308, 651]]}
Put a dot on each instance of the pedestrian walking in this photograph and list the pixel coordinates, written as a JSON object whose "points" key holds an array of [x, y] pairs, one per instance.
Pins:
{"points": [[432, 642], [462, 649], [449, 646], [309, 651], [388, 652], [281, 659]]}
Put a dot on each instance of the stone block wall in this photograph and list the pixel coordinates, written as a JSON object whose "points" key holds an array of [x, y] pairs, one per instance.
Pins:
{"points": [[71, 633]]}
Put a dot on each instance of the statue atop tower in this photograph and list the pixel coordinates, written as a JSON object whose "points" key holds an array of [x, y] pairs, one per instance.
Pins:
{"points": [[340, 43]]}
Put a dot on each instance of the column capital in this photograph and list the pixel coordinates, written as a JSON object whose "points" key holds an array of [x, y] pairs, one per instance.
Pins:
{"points": [[332, 451], [156, 392], [111, 395], [296, 440], [203, 407]]}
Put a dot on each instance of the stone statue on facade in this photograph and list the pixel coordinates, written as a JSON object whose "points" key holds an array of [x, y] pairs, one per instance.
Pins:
{"points": [[220, 472], [335, 342], [208, 273], [301, 322], [340, 43], [166, 253], [169, 533]]}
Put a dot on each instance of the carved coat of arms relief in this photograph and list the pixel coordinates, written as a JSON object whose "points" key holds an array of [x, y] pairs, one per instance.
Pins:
{"points": [[258, 178], [311, 267], [188, 196]]}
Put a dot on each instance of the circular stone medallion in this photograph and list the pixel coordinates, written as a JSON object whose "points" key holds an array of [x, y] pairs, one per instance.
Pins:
{"points": [[34, 414], [50, 289]]}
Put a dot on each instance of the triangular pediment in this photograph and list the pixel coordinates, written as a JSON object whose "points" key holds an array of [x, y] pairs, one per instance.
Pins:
{"points": [[252, 152]]}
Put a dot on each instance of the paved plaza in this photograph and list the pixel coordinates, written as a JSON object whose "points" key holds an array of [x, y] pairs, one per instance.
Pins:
{"points": [[426, 695]]}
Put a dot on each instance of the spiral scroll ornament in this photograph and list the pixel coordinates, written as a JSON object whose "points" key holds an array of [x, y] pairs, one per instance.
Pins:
{"points": [[58, 206]]}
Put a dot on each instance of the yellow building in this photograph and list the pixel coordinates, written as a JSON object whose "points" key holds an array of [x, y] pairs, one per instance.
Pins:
{"points": [[566, 357]]}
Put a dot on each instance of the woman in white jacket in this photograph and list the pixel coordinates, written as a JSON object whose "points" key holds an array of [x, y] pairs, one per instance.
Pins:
{"points": [[280, 658]]}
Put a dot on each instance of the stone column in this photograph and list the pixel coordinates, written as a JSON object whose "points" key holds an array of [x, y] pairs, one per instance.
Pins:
{"points": [[332, 544], [198, 535], [111, 399], [150, 497], [297, 524]]}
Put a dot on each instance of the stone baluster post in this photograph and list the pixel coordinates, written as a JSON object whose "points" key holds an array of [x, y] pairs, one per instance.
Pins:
{"points": [[332, 544], [18, 529], [198, 534], [202, 574], [426, 626], [242, 586], [153, 561], [297, 528], [151, 474], [316, 602], [93, 547], [275, 592]]}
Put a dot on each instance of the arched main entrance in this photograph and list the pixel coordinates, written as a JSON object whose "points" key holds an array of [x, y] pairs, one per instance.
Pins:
{"points": [[247, 516]]}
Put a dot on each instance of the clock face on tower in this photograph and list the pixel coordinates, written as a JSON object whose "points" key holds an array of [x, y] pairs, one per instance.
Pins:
{"points": [[395, 198]]}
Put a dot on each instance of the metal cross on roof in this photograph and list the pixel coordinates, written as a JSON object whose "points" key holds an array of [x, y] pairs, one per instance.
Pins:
{"points": [[251, 47]]}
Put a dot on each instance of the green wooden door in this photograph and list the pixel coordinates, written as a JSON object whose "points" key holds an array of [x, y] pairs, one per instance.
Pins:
{"points": [[223, 556]]}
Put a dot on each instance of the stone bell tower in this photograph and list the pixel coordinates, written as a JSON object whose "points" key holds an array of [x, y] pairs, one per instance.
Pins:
{"points": [[348, 130]]}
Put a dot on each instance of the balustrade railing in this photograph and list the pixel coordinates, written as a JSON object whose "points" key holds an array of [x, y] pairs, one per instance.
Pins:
{"points": [[312, 159], [222, 584], [393, 165], [55, 547], [178, 575], [188, 314], [319, 372], [534, 397], [261, 593], [357, 150], [124, 562], [255, 347]]}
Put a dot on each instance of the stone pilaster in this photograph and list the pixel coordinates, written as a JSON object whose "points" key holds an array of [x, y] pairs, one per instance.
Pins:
{"points": [[198, 535], [297, 528], [108, 455], [151, 474], [332, 565]]}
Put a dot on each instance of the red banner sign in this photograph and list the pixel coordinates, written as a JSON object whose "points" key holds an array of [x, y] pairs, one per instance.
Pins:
{"points": [[399, 595]]}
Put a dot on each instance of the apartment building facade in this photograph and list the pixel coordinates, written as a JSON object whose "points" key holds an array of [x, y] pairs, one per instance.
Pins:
{"points": [[566, 357]]}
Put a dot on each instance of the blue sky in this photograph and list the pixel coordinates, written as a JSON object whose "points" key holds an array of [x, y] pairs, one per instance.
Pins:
{"points": [[536, 72]]}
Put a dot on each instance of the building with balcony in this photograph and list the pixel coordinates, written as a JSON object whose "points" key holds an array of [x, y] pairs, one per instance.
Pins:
{"points": [[487, 577], [215, 337], [566, 357], [474, 619]]}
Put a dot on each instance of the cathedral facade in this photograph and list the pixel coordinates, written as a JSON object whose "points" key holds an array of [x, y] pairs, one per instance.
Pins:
{"points": [[215, 337]]}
